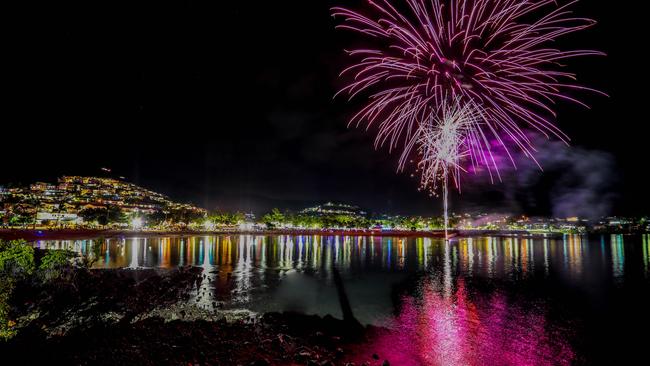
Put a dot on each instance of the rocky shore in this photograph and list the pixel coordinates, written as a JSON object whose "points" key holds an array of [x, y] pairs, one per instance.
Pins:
{"points": [[123, 317]]}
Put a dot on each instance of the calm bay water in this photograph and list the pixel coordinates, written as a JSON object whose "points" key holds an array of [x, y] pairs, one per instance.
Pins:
{"points": [[474, 301]]}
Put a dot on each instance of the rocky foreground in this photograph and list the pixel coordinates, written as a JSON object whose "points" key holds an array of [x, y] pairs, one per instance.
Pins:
{"points": [[123, 317]]}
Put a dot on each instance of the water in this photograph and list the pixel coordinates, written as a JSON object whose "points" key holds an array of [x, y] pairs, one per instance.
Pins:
{"points": [[475, 301]]}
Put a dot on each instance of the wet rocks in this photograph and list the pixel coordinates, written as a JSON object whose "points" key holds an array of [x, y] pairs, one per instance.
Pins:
{"points": [[302, 356], [145, 317], [260, 362]]}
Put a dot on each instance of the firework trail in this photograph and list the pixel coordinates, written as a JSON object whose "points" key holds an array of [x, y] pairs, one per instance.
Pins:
{"points": [[443, 141], [489, 53]]}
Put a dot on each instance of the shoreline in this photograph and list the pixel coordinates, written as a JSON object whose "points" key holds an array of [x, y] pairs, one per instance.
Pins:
{"points": [[118, 316], [80, 234]]}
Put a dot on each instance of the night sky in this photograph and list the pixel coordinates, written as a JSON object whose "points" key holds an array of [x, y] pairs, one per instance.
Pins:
{"points": [[229, 105]]}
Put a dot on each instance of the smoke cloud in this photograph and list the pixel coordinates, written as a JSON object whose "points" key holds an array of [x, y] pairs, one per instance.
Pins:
{"points": [[575, 181]]}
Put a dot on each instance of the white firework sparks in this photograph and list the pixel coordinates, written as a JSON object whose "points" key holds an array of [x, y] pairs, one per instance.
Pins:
{"points": [[444, 141]]}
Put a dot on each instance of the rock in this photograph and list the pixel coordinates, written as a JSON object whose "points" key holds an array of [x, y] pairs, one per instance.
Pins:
{"points": [[386, 363], [375, 356], [260, 362], [302, 356]]}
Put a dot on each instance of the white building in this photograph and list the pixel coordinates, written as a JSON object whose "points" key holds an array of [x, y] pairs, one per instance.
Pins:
{"points": [[62, 218]]}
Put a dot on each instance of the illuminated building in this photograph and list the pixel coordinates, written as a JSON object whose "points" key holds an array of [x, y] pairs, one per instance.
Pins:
{"points": [[330, 208], [61, 202]]}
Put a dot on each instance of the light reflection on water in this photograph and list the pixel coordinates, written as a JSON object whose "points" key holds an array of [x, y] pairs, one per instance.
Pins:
{"points": [[485, 256], [444, 327], [242, 267], [424, 290]]}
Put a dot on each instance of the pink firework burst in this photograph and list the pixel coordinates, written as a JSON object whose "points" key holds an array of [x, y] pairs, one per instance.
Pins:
{"points": [[495, 54]]}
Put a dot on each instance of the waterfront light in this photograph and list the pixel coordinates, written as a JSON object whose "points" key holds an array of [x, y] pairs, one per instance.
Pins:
{"points": [[137, 223], [246, 226], [209, 225]]}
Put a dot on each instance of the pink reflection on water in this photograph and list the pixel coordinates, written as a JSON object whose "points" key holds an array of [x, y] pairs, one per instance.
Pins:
{"points": [[458, 330]]}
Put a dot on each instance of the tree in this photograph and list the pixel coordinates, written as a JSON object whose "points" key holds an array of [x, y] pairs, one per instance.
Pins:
{"points": [[16, 263], [19, 219], [156, 218], [226, 218], [186, 216], [93, 214], [103, 215], [115, 214], [273, 218]]}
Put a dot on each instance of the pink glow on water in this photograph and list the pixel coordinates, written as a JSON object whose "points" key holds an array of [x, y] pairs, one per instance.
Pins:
{"points": [[455, 329]]}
